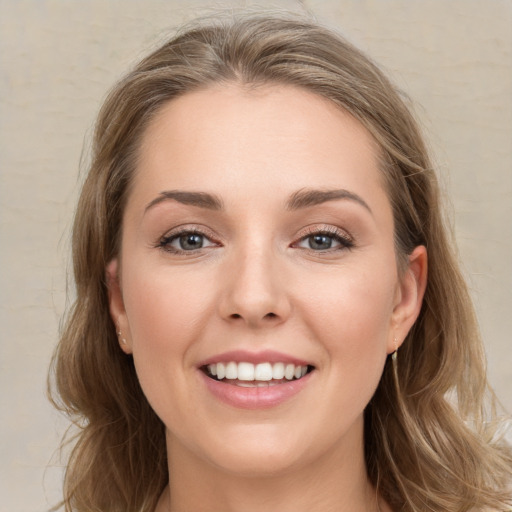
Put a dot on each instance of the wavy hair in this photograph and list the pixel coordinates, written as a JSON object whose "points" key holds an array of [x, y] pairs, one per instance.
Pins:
{"points": [[429, 444]]}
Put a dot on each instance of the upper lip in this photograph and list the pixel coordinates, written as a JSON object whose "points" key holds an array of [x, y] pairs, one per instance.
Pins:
{"points": [[245, 356]]}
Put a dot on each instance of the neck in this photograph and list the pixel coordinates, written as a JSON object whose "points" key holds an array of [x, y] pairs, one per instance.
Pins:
{"points": [[335, 481]]}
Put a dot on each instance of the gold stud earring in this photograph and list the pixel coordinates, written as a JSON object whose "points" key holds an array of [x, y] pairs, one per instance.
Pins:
{"points": [[120, 336], [394, 354], [394, 357]]}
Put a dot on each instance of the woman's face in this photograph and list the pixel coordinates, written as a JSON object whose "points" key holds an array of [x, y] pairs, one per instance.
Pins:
{"points": [[258, 242]]}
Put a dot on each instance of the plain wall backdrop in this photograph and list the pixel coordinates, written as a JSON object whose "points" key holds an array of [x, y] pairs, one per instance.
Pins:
{"points": [[57, 60]]}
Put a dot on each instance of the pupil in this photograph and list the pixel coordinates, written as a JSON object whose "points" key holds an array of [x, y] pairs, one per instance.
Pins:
{"points": [[320, 242], [191, 241]]}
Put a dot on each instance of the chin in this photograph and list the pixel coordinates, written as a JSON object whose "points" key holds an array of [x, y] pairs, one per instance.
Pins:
{"points": [[261, 452]]}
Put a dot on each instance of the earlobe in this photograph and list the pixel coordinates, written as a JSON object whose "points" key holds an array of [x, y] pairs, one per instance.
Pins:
{"points": [[410, 296], [116, 305]]}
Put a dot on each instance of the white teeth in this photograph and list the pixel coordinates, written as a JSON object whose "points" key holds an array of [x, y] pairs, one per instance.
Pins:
{"points": [[231, 370], [245, 371], [289, 371], [221, 371], [255, 384], [278, 371], [262, 374], [243, 384], [263, 371]]}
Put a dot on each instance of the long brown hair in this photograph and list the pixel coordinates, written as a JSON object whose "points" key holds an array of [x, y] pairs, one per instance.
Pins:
{"points": [[429, 444]]}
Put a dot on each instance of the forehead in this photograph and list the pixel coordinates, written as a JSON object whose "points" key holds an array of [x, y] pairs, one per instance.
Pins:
{"points": [[232, 135]]}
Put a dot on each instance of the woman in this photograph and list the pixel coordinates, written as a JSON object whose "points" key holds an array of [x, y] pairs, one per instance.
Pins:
{"points": [[254, 327]]}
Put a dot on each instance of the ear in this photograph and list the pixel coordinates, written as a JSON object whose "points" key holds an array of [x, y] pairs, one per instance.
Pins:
{"points": [[116, 305], [409, 297]]}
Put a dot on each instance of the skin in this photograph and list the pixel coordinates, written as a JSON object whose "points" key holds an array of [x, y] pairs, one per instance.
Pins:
{"points": [[257, 284]]}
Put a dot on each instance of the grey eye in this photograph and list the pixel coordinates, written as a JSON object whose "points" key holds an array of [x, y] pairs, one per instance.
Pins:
{"points": [[320, 242], [186, 241], [325, 241], [189, 241]]}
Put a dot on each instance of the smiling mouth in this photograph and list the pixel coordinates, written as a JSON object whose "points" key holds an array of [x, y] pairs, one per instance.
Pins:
{"points": [[245, 374]]}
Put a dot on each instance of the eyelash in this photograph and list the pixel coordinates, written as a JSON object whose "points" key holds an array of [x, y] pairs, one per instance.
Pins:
{"points": [[339, 236], [165, 242]]}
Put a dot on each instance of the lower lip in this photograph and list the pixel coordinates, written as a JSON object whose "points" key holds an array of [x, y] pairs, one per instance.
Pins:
{"points": [[255, 397]]}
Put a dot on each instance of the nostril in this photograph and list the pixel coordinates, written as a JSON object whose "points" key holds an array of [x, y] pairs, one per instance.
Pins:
{"points": [[268, 315]]}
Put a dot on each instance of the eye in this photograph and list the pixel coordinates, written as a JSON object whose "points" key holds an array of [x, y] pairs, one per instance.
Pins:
{"points": [[185, 241], [331, 239], [319, 242]]}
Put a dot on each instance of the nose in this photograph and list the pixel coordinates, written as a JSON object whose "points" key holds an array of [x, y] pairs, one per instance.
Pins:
{"points": [[255, 293]]}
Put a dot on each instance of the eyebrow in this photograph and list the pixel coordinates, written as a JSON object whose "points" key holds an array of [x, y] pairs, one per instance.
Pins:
{"points": [[200, 199], [310, 197], [303, 198]]}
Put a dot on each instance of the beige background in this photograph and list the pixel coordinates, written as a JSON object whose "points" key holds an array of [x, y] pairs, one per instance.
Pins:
{"points": [[57, 60]]}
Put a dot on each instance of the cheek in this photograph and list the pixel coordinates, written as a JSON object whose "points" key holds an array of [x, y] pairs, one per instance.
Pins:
{"points": [[351, 314], [162, 305], [166, 314], [353, 301]]}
